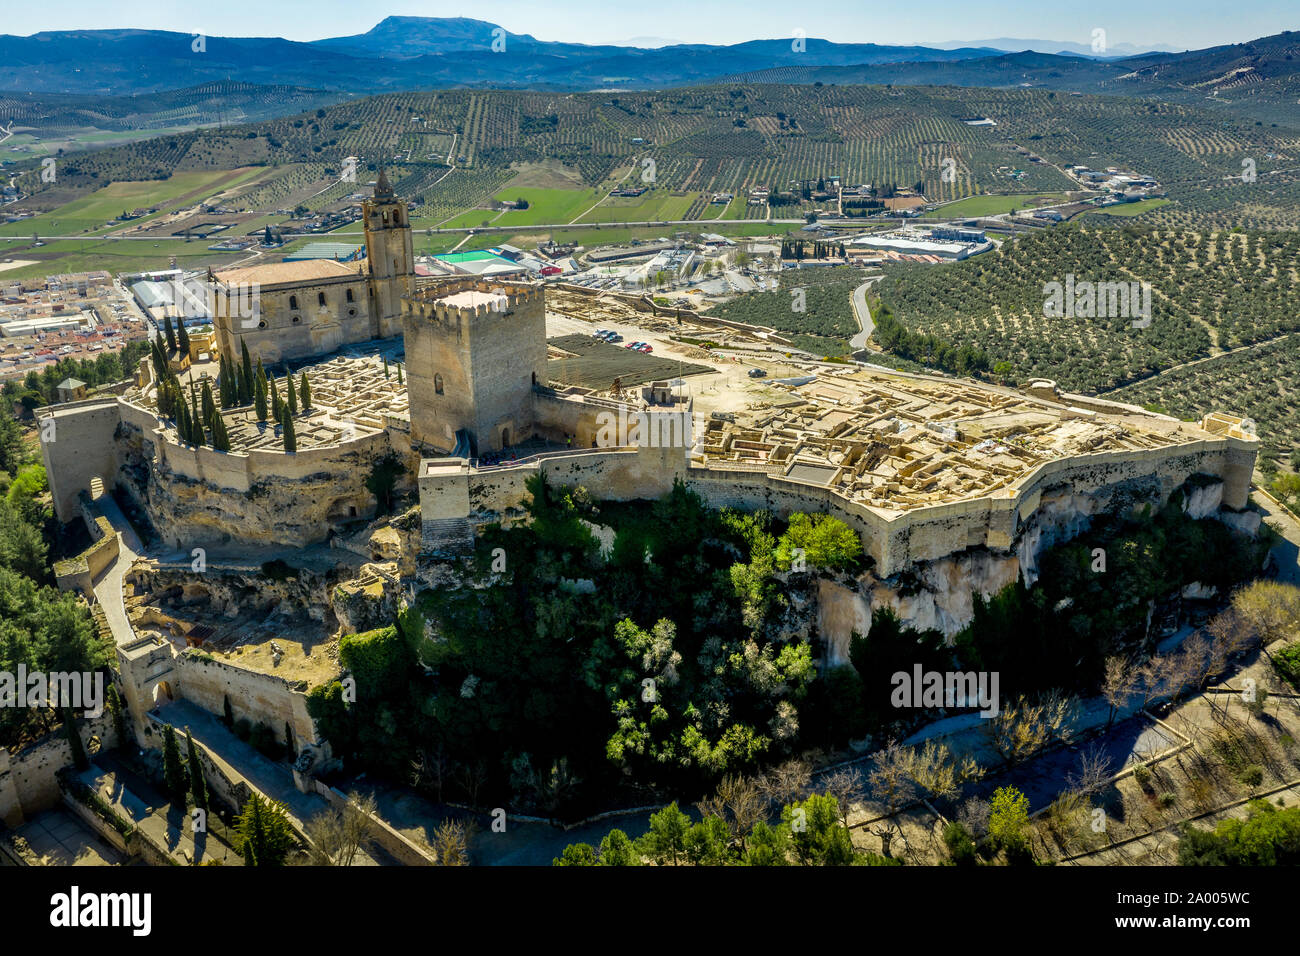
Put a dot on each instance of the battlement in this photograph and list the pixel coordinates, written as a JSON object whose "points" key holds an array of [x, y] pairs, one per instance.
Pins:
{"points": [[459, 299]]}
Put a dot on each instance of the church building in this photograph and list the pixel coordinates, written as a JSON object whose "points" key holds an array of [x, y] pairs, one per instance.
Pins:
{"points": [[296, 310]]}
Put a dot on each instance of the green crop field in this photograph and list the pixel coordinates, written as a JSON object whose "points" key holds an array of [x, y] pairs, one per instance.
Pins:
{"points": [[976, 206], [113, 255], [1131, 209], [545, 206], [659, 204], [91, 213]]}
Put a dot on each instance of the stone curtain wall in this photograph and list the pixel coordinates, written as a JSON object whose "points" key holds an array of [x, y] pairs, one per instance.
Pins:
{"points": [[895, 540]]}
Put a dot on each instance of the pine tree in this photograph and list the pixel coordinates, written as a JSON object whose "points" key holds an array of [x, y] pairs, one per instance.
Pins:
{"points": [[292, 394], [197, 786], [173, 773], [306, 389], [170, 333], [290, 440], [79, 759]]}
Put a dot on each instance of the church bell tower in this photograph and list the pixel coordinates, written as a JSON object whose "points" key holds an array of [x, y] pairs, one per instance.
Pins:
{"points": [[391, 255]]}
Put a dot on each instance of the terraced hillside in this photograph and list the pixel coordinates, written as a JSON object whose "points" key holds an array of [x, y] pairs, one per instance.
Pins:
{"points": [[457, 148], [1210, 293]]}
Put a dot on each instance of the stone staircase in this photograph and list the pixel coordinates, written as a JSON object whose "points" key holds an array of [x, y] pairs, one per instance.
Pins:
{"points": [[447, 534]]}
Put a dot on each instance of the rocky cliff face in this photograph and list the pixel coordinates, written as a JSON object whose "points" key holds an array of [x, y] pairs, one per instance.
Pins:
{"points": [[939, 594], [294, 511]]}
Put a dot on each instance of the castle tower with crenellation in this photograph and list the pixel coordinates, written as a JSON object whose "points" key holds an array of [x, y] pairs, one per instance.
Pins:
{"points": [[474, 352]]}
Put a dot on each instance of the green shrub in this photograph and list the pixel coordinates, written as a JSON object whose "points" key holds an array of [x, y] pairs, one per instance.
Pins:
{"points": [[960, 843], [1252, 775]]}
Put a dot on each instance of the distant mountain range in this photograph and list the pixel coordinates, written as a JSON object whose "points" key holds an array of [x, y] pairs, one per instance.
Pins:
{"points": [[1013, 45], [408, 53]]}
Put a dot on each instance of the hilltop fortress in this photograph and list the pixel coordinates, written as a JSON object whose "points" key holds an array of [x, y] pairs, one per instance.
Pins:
{"points": [[955, 487]]}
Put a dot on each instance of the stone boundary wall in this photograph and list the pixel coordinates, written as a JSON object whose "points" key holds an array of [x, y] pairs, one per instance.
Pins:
{"points": [[402, 848]]}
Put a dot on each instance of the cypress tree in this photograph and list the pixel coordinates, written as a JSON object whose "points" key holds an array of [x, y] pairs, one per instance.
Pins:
{"points": [[248, 364], [223, 385], [306, 390], [196, 420], [79, 759], [259, 396], [170, 333], [220, 436], [182, 337], [159, 360], [290, 439], [277, 411], [197, 786], [399, 373], [173, 773], [183, 429], [293, 395], [209, 406], [119, 718], [385, 366]]}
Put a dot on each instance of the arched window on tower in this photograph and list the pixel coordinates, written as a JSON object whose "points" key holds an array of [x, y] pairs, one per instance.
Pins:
{"points": [[437, 383]]}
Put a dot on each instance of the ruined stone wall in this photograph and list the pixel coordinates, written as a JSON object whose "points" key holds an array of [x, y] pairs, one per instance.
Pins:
{"points": [[895, 540], [261, 698], [27, 778]]}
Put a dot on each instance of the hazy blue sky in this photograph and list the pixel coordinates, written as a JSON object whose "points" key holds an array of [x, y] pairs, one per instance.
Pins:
{"points": [[1178, 23]]}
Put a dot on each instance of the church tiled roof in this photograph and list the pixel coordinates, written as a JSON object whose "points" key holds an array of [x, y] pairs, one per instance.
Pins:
{"points": [[305, 271]]}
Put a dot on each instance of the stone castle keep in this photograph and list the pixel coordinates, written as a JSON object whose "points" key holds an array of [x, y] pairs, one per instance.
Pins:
{"points": [[955, 487]]}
